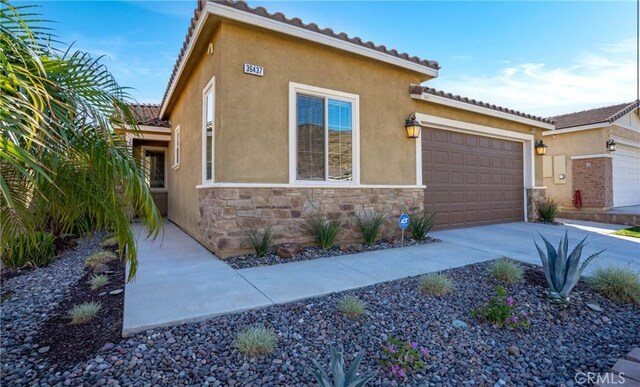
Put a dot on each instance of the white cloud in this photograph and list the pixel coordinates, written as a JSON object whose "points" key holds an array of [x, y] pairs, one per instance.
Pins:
{"points": [[604, 77]]}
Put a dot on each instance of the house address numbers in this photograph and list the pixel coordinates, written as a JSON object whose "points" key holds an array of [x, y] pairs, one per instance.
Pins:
{"points": [[253, 69]]}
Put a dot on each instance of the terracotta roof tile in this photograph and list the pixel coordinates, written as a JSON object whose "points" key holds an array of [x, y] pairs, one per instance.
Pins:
{"points": [[607, 114], [148, 114], [417, 89], [261, 11], [297, 22]]}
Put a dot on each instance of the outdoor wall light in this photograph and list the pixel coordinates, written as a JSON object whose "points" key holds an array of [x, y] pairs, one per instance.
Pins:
{"points": [[412, 126], [611, 145], [541, 148]]}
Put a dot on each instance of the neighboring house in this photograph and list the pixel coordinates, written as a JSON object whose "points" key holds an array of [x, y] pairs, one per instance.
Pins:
{"points": [[272, 119], [150, 144], [578, 157]]}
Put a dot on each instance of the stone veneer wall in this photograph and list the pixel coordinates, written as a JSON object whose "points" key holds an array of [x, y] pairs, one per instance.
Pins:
{"points": [[594, 178], [226, 212], [535, 197]]}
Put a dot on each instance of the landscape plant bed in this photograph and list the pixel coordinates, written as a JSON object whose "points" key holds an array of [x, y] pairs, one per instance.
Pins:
{"points": [[62, 245], [69, 343], [561, 341], [313, 252], [630, 232]]}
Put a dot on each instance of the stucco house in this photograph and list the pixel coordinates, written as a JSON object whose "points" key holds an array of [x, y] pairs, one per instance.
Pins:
{"points": [[271, 118], [595, 152]]}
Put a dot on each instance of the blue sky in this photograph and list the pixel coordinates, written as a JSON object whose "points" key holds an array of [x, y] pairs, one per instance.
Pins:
{"points": [[539, 57]]}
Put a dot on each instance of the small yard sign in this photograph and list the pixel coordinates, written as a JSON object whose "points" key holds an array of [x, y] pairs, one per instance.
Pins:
{"points": [[253, 69], [403, 222]]}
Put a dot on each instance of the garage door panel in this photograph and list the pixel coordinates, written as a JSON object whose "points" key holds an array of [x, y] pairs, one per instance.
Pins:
{"points": [[456, 158], [483, 183], [484, 161], [471, 140], [456, 138], [626, 176], [457, 177], [484, 142]]}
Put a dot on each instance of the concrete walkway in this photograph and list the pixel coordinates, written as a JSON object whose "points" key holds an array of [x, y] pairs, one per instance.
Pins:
{"points": [[179, 280]]}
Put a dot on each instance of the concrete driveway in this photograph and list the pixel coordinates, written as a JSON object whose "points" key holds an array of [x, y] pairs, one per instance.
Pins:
{"points": [[179, 280], [515, 240]]}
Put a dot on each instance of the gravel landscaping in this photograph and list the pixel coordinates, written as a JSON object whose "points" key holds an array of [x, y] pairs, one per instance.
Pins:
{"points": [[313, 252], [560, 342], [30, 299]]}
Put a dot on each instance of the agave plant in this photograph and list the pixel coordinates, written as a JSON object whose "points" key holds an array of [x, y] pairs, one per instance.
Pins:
{"points": [[561, 268], [341, 378]]}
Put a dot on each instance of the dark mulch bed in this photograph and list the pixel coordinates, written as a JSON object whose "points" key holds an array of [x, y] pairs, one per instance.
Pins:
{"points": [[313, 252], [69, 343]]}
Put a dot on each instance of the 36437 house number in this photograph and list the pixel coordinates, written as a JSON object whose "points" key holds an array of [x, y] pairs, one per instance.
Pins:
{"points": [[253, 69]]}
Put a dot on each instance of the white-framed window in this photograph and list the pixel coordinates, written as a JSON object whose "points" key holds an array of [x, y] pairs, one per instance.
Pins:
{"points": [[155, 166], [323, 135], [208, 132], [176, 147]]}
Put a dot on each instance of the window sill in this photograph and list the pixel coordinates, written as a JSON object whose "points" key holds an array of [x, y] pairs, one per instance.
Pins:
{"points": [[306, 185]]}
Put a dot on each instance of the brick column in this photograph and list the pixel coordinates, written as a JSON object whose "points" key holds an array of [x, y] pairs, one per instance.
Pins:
{"points": [[594, 178]]}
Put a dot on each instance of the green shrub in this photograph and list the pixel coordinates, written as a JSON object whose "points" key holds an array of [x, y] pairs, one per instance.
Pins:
{"points": [[502, 311], [403, 358], [98, 258], [561, 268], [617, 284], [633, 232], [506, 270], [324, 230], [420, 223], [340, 376], [85, 312], [260, 241], [351, 306], [435, 284], [110, 243], [98, 281], [256, 341], [548, 211], [370, 223], [35, 249]]}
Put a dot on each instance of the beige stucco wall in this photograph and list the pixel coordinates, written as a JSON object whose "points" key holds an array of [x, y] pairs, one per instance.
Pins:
{"points": [[586, 142], [255, 110], [187, 112]]}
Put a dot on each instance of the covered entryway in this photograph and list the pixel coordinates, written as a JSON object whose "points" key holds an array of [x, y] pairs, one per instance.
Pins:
{"points": [[626, 176], [471, 179]]}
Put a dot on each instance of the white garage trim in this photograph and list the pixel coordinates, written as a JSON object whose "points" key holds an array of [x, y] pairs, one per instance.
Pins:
{"points": [[627, 142], [527, 141], [592, 156]]}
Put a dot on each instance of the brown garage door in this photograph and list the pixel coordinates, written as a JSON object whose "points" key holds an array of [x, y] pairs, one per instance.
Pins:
{"points": [[472, 180]]}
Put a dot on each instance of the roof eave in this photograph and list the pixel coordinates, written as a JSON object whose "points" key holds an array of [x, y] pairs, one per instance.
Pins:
{"points": [[481, 110], [231, 13]]}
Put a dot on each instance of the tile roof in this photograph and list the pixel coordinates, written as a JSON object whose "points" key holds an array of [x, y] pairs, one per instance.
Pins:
{"points": [[607, 114], [280, 17], [148, 114], [417, 89]]}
